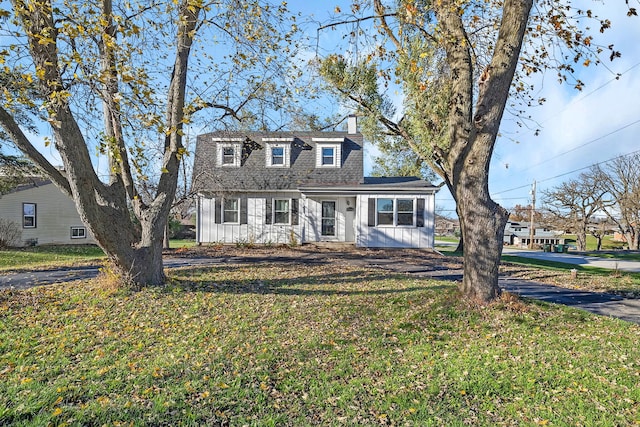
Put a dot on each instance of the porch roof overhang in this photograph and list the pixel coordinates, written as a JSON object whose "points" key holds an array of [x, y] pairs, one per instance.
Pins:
{"points": [[377, 185]]}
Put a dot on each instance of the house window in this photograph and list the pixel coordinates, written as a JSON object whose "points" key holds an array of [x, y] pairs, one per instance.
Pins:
{"points": [[405, 212], [78, 233], [385, 212], [398, 212], [328, 156], [281, 211], [229, 154], [29, 215], [278, 155], [231, 211]]}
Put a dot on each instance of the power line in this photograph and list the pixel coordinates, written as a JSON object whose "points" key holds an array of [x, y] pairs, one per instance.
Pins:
{"points": [[570, 172], [582, 145], [586, 95]]}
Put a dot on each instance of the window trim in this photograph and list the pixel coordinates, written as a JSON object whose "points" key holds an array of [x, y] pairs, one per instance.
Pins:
{"points": [[34, 215], [237, 153], [275, 211], [236, 211], [414, 213], [286, 154], [336, 157], [78, 228]]}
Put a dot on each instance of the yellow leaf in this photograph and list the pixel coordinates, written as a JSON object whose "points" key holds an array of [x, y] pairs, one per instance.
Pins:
{"points": [[56, 412]]}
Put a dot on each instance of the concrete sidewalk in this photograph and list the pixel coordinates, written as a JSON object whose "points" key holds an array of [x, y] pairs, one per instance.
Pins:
{"points": [[577, 259]]}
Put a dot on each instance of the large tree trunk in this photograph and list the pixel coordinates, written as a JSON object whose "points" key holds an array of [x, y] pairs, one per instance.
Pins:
{"points": [[473, 135], [483, 233], [141, 266], [482, 224]]}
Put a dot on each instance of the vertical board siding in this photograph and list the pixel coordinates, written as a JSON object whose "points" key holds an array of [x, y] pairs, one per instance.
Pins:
{"points": [[256, 230], [390, 236]]}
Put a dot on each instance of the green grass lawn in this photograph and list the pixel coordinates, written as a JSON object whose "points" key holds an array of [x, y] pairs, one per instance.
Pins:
{"points": [[181, 243], [49, 256], [623, 255], [607, 242], [266, 344]]}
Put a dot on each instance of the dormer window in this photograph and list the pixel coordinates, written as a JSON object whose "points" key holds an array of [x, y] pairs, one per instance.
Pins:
{"points": [[229, 152], [228, 156], [278, 152], [277, 156], [328, 156], [329, 152]]}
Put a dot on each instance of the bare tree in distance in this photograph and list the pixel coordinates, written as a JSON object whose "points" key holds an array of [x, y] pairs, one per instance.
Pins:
{"points": [[619, 179], [574, 204]]}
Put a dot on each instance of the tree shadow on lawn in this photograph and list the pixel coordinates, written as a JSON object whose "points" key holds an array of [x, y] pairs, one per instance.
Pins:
{"points": [[303, 285]]}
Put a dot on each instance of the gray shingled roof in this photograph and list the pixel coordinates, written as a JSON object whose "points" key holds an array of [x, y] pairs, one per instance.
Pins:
{"points": [[254, 175], [31, 183], [396, 181]]}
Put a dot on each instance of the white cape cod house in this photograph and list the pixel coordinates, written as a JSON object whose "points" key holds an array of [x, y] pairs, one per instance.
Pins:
{"points": [[300, 187]]}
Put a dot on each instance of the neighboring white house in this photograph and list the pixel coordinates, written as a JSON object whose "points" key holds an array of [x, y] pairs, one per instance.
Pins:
{"points": [[518, 234], [299, 187], [45, 215]]}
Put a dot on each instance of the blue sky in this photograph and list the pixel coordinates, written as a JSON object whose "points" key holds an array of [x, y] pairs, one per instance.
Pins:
{"points": [[577, 129]]}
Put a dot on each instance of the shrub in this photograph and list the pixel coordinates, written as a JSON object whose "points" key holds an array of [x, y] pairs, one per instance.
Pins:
{"points": [[10, 233]]}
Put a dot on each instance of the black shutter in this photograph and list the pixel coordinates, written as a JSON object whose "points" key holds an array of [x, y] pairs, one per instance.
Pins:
{"points": [[243, 210], [267, 219], [372, 212], [294, 212], [218, 210], [420, 213]]}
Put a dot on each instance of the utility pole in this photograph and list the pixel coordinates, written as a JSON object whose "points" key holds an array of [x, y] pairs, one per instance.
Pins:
{"points": [[532, 229]]}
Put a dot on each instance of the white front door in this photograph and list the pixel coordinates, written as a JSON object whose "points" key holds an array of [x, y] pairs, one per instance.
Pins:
{"points": [[350, 220]]}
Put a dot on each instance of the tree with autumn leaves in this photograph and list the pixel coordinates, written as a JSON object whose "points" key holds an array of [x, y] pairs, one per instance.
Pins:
{"points": [[457, 65], [113, 78]]}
